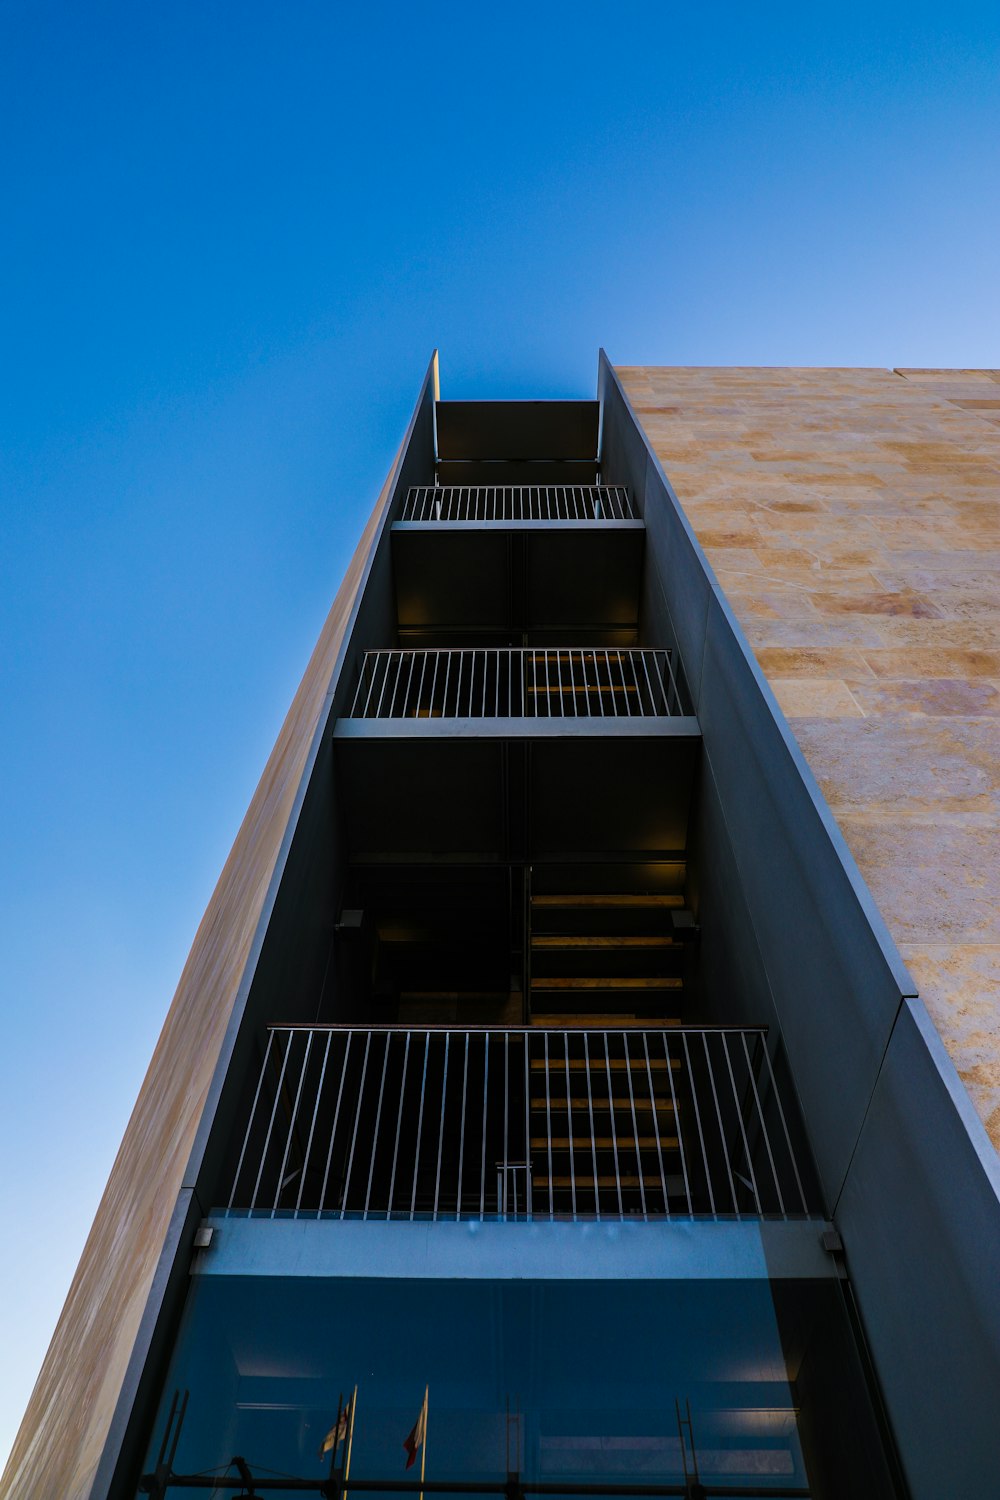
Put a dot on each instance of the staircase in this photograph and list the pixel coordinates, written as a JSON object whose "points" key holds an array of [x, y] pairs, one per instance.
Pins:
{"points": [[603, 1128], [606, 959]]}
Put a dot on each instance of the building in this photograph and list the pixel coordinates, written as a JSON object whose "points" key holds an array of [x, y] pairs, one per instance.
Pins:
{"points": [[543, 1070]]}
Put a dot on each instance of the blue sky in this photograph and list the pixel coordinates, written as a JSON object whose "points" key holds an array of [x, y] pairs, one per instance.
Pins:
{"points": [[231, 236]]}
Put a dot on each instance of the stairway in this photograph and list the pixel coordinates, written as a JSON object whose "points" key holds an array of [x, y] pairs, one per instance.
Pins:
{"points": [[604, 960], [603, 1127]]}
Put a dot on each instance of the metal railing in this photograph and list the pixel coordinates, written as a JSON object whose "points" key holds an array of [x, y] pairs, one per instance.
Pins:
{"points": [[482, 683], [517, 1124], [519, 502]]}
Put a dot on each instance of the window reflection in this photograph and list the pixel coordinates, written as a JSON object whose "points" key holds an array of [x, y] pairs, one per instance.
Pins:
{"points": [[590, 1383]]}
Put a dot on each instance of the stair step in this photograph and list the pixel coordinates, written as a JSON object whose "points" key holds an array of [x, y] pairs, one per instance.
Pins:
{"points": [[600, 1064], [622, 1107], [558, 1021], [570, 943], [603, 1143], [578, 982], [602, 1182], [616, 898]]}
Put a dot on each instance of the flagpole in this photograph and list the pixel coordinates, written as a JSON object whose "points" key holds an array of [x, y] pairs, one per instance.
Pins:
{"points": [[350, 1440], [336, 1435], [423, 1445]]}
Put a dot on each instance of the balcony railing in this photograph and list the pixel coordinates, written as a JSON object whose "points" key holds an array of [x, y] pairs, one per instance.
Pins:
{"points": [[517, 1124], [519, 502], [479, 683]]}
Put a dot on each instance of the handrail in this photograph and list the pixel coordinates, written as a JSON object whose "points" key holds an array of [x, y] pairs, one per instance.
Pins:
{"points": [[518, 502], [568, 682], [518, 1123]]}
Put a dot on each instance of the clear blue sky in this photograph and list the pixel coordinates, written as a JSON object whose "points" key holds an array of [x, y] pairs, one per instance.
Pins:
{"points": [[231, 236]]}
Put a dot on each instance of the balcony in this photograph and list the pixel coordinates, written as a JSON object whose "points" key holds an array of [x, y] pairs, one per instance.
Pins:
{"points": [[483, 755], [632, 1123], [518, 557]]}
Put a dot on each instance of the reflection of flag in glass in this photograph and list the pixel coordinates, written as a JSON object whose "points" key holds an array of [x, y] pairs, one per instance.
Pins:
{"points": [[337, 1432], [417, 1436]]}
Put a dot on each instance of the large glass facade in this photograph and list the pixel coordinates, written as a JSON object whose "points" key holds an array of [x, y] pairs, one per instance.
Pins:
{"points": [[569, 1382]]}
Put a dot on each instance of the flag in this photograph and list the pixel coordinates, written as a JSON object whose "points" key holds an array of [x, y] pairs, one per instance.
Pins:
{"points": [[337, 1432], [416, 1437]]}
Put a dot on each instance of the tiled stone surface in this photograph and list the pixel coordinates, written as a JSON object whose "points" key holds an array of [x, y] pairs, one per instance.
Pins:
{"points": [[853, 518]]}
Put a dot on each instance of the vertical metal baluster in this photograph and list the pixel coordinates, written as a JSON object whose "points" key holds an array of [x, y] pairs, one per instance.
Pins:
{"points": [[404, 713], [635, 1127], [548, 689], [675, 689], [420, 1126], [291, 1124], [357, 1122], [656, 1126], [739, 1116], [677, 1122], [371, 667], [382, 662], [718, 1115], [461, 1134], [621, 673], [527, 1125], [614, 1128], [640, 706], [420, 688], [447, 676], [763, 1126], [253, 1116], [510, 684], [784, 1126], [336, 1118], [274, 1111], [434, 682], [562, 711], [642, 655], [664, 677], [376, 1136], [506, 1112], [312, 1124], [572, 682], [548, 1124], [593, 1131], [569, 1125], [597, 682], [697, 1117], [395, 683], [486, 660], [458, 684], [399, 1121], [611, 685], [444, 1096], [486, 1087]]}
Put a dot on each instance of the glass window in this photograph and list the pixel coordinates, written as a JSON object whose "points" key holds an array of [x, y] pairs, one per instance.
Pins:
{"points": [[564, 1381]]}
